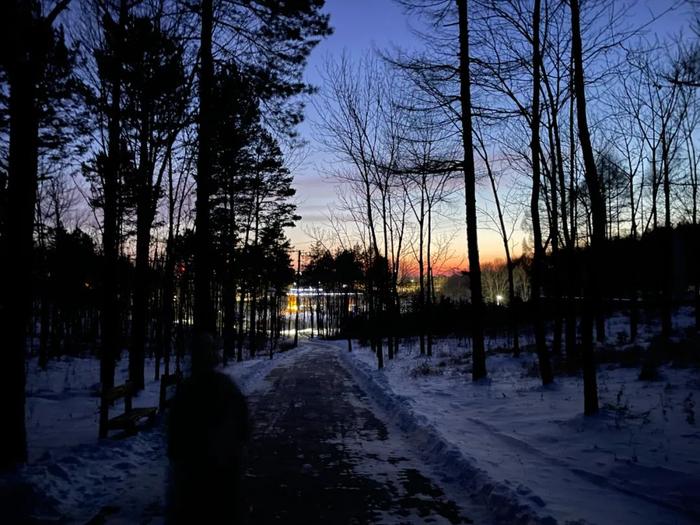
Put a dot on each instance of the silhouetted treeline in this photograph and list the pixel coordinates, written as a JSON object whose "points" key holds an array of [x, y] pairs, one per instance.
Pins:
{"points": [[144, 180], [338, 300]]}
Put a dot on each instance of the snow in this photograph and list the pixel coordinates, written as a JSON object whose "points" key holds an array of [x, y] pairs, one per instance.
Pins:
{"points": [[75, 475], [524, 451], [250, 374], [530, 453], [63, 401], [72, 473]]}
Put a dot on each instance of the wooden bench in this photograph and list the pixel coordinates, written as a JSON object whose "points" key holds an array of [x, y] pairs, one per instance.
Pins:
{"points": [[168, 380], [129, 420]]}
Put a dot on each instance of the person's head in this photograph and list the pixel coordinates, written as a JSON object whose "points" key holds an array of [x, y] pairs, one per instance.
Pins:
{"points": [[205, 356]]}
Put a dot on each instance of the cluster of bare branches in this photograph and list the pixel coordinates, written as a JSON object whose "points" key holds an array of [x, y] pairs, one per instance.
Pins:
{"points": [[563, 116]]}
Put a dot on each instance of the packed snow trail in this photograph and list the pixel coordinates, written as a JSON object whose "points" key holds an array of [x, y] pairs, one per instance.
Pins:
{"points": [[320, 454]]}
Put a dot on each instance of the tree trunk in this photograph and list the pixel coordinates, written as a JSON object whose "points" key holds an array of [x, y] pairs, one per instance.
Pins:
{"points": [[18, 289], [204, 320], [421, 276], [139, 318], [477, 327], [44, 284], [298, 298], [555, 302], [593, 296], [252, 329], [169, 275], [538, 261], [512, 306], [667, 294], [572, 357], [241, 328], [110, 229]]}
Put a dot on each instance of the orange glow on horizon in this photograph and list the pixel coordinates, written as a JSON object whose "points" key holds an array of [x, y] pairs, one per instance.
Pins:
{"points": [[490, 250]]}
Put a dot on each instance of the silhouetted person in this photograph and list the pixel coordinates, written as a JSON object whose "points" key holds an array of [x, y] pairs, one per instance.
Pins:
{"points": [[207, 430]]}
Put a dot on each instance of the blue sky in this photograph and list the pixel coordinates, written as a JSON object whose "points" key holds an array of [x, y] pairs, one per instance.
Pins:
{"points": [[363, 25], [358, 27]]}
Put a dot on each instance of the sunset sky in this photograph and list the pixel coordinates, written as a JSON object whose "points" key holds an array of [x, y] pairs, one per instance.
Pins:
{"points": [[362, 25]]}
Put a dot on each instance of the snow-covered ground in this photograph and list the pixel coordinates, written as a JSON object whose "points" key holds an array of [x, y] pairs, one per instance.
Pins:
{"points": [[75, 475], [525, 451], [528, 451]]}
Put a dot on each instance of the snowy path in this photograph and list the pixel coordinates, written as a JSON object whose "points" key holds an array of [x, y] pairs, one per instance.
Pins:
{"points": [[528, 449], [321, 453], [336, 441]]}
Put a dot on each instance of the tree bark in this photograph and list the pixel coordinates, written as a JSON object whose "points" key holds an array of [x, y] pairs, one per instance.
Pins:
{"points": [[110, 228], [592, 297], [145, 210], [538, 260], [204, 319], [477, 301], [29, 37], [18, 290]]}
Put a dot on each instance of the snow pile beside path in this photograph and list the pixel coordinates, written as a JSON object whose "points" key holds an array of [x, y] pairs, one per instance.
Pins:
{"points": [[250, 375], [530, 453], [457, 466]]}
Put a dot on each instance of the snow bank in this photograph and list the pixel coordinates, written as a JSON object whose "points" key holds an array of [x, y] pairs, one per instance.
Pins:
{"points": [[530, 454], [456, 466], [250, 375]]}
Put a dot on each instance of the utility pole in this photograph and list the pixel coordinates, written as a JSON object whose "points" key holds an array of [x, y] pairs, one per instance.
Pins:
{"points": [[296, 319]]}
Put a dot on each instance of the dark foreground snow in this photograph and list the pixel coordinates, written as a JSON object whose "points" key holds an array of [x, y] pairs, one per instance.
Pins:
{"points": [[415, 443]]}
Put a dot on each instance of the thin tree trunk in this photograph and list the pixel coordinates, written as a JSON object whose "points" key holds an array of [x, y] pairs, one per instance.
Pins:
{"points": [[538, 261], [296, 314], [421, 274], [593, 298], [667, 294], [252, 329], [572, 357], [44, 283], [512, 307], [169, 275], [241, 328], [555, 302]]}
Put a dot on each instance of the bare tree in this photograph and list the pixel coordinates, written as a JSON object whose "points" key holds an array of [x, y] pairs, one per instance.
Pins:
{"points": [[427, 173], [593, 292], [362, 124], [505, 233]]}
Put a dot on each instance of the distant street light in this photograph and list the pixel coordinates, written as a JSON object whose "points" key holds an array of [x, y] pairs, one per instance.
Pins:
{"points": [[499, 298]]}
